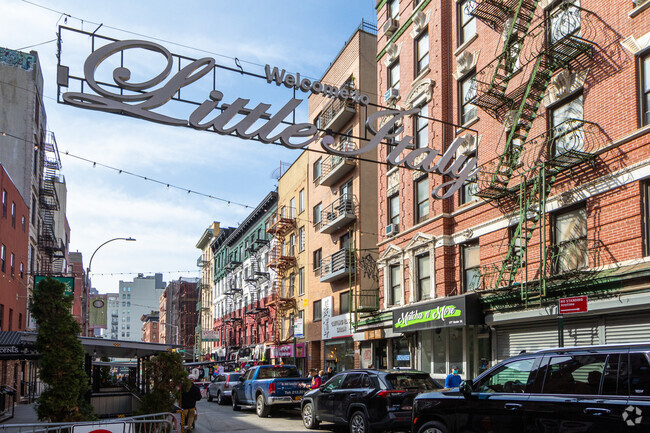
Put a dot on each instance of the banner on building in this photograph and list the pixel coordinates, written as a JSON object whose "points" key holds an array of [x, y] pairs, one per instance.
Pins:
{"points": [[68, 281], [98, 312], [333, 326], [448, 311], [209, 335]]}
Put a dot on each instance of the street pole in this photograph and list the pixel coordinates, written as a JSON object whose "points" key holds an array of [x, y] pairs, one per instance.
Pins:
{"points": [[85, 298]]}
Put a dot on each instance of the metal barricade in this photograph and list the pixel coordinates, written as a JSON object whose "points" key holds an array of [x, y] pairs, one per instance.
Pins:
{"points": [[154, 423]]}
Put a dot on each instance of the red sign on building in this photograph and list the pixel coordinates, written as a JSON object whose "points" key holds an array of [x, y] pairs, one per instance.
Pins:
{"points": [[576, 304]]}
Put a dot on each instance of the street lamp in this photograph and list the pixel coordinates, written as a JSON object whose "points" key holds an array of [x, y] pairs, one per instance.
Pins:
{"points": [[90, 263]]}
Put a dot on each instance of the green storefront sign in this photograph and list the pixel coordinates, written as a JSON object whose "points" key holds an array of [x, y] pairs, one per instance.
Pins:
{"points": [[68, 281], [449, 311]]}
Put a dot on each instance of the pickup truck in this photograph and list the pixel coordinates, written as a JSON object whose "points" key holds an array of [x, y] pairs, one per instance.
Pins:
{"points": [[269, 386]]}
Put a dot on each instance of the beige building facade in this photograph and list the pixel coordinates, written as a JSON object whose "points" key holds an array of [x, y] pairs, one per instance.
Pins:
{"points": [[342, 209], [205, 262]]}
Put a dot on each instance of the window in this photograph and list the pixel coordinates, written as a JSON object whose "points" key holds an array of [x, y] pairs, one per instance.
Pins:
{"points": [[22, 222], [317, 169], [639, 374], [301, 239], [644, 83], [393, 75], [13, 214], [318, 258], [393, 9], [292, 285], [22, 271], [564, 21], [301, 281], [20, 320], [395, 284], [422, 53], [645, 194], [421, 126], [34, 208], [466, 22], [423, 277], [344, 303], [3, 258], [467, 90], [570, 240], [318, 210], [393, 209], [301, 201], [471, 271], [576, 374], [421, 199], [32, 257], [346, 190], [318, 314], [566, 129], [292, 208], [11, 264], [513, 377], [11, 319], [470, 187], [4, 203]]}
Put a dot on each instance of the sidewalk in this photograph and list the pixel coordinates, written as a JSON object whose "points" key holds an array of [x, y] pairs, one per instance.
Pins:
{"points": [[23, 414]]}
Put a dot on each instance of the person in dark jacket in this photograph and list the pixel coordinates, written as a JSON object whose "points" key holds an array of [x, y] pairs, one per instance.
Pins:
{"points": [[189, 397]]}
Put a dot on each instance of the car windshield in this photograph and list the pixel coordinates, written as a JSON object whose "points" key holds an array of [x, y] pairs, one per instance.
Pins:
{"points": [[422, 382], [276, 372], [234, 377]]}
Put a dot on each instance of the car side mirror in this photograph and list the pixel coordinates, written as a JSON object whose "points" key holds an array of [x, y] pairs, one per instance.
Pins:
{"points": [[466, 387]]}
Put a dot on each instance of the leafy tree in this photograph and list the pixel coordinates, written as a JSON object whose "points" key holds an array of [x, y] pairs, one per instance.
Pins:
{"points": [[167, 377], [62, 356]]}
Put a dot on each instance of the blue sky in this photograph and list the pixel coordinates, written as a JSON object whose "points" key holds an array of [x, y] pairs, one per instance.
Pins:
{"points": [[299, 36]]}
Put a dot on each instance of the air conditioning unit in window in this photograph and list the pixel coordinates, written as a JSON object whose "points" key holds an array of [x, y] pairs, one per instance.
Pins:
{"points": [[390, 26], [392, 229], [391, 95]]}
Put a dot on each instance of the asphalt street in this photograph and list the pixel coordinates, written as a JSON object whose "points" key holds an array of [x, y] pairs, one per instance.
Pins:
{"points": [[215, 418]]}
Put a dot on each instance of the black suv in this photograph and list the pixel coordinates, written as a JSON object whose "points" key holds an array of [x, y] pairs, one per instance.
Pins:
{"points": [[366, 400], [596, 389]]}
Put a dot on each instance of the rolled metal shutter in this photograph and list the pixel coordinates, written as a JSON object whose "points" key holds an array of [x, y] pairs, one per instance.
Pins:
{"points": [[627, 329], [532, 337]]}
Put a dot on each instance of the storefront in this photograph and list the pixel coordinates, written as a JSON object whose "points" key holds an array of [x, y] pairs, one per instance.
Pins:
{"points": [[337, 338], [285, 354], [439, 335]]}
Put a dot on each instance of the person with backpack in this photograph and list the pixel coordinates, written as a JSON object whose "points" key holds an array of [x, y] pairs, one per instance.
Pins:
{"points": [[189, 397]]}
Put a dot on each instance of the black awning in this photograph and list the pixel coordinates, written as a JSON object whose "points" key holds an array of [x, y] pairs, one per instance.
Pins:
{"points": [[440, 313], [14, 345]]}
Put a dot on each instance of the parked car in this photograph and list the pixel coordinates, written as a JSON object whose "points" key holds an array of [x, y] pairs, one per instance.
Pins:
{"points": [[596, 389], [269, 386], [366, 400], [221, 388]]}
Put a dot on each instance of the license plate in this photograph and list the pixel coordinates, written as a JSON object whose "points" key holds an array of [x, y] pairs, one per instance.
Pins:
{"points": [[297, 397]]}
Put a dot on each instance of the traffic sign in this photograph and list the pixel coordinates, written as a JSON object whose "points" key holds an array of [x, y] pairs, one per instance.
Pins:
{"points": [[576, 304]]}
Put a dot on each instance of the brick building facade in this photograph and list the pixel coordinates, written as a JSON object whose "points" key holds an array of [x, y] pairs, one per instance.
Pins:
{"points": [[550, 97]]}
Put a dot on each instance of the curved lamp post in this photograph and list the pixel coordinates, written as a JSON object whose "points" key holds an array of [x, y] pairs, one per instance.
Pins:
{"points": [[90, 263]]}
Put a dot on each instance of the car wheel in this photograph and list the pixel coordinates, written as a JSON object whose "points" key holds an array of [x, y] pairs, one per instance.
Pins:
{"points": [[209, 396], [308, 416], [235, 403], [220, 399], [359, 423], [261, 408], [432, 427]]}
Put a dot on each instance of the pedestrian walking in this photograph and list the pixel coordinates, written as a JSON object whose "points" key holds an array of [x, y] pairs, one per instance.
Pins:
{"points": [[453, 380], [327, 375], [190, 395]]}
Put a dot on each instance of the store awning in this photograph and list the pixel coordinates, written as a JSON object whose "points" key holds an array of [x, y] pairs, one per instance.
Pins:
{"points": [[440, 313]]}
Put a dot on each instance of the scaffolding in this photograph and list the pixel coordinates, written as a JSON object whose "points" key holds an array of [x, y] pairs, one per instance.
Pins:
{"points": [[520, 179]]}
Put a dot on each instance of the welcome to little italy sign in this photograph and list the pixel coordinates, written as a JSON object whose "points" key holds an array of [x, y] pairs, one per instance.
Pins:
{"points": [[259, 122]]}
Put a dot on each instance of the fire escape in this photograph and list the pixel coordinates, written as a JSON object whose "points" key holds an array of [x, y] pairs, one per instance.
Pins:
{"points": [[50, 245], [282, 258], [233, 292], [520, 179], [257, 275]]}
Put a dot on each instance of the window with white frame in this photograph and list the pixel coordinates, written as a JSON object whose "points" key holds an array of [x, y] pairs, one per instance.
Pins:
{"points": [[393, 209], [344, 302], [318, 312], [421, 199], [570, 239], [423, 276], [393, 9], [292, 208], [471, 266], [470, 187], [301, 281], [567, 127], [644, 90], [301, 238], [395, 284], [421, 53], [393, 75], [466, 21], [317, 215], [301, 201], [467, 94], [421, 126], [317, 169]]}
